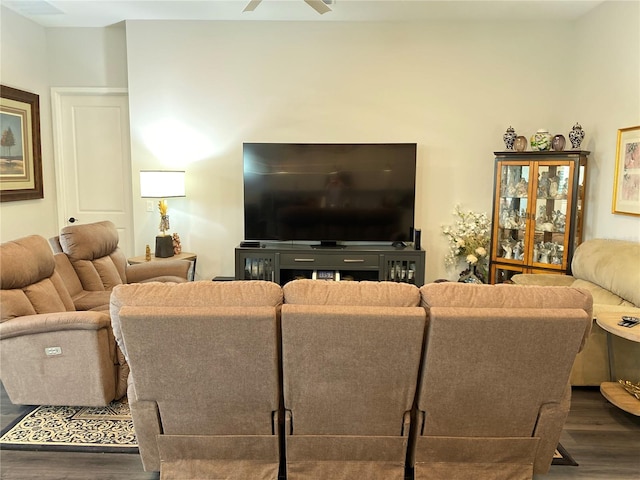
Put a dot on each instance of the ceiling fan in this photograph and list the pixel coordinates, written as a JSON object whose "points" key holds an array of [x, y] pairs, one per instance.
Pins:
{"points": [[319, 6]]}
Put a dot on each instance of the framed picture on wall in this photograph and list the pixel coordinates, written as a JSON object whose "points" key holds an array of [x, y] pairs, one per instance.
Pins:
{"points": [[20, 151], [626, 186]]}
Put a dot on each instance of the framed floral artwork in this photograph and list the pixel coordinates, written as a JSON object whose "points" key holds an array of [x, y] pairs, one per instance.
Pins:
{"points": [[20, 152], [626, 186]]}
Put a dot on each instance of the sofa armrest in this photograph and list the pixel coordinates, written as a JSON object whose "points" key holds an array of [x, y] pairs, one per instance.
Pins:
{"points": [[542, 279], [599, 308], [54, 322], [142, 272]]}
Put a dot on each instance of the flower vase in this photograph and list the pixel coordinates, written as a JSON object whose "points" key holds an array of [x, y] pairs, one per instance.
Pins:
{"points": [[470, 276], [541, 140]]}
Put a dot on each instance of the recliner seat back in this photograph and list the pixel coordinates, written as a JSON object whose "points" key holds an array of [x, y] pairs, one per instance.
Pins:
{"points": [[494, 389], [29, 281], [204, 360], [351, 352], [95, 255]]}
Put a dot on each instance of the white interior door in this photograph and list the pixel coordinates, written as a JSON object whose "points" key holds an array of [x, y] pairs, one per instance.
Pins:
{"points": [[93, 159]]}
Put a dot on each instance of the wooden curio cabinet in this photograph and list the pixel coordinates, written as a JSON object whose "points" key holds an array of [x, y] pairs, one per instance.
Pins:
{"points": [[538, 210]]}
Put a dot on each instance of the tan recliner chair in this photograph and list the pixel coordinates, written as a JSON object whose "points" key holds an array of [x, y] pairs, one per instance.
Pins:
{"points": [[100, 264], [204, 383], [351, 353], [495, 387], [51, 354], [82, 299]]}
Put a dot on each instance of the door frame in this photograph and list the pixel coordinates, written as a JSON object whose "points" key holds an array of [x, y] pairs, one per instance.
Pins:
{"points": [[57, 93]]}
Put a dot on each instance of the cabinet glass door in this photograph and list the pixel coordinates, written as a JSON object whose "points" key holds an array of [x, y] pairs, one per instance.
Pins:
{"points": [[551, 214], [255, 266], [513, 206]]}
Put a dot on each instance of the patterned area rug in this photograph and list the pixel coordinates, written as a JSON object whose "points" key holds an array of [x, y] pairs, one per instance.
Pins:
{"points": [[96, 429]]}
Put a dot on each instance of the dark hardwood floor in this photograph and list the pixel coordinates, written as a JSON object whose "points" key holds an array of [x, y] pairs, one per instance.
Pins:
{"points": [[604, 440]]}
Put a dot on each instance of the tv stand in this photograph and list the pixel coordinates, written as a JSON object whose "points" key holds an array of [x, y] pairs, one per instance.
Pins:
{"points": [[282, 263]]}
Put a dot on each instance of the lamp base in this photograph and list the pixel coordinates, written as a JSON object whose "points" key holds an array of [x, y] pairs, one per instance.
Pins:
{"points": [[164, 246]]}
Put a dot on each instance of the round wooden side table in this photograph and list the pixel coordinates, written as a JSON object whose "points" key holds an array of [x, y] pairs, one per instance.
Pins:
{"points": [[613, 391]]}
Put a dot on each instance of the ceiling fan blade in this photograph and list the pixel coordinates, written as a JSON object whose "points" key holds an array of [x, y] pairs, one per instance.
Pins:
{"points": [[318, 5], [251, 6]]}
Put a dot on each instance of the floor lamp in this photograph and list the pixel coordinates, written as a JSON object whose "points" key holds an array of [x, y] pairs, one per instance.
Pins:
{"points": [[162, 184]]}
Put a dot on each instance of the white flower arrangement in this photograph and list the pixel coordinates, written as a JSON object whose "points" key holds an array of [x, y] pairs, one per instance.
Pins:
{"points": [[469, 240]]}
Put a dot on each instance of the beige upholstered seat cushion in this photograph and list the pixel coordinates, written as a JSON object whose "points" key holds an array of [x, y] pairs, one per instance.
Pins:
{"points": [[514, 297], [188, 297], [94, 253], [387, 294], [502, 296], [29, 281]]}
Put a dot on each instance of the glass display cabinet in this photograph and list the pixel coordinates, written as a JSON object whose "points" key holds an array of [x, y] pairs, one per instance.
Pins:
{"points": [[538, 210]]}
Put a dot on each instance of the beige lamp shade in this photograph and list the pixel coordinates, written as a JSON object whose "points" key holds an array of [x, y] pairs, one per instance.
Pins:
{"points": [[162, 183]]}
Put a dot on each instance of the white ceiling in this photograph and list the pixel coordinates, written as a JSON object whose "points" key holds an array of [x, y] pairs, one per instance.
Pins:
{"points": [[100, 13]]}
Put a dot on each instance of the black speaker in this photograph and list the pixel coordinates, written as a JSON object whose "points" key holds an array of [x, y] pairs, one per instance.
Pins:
{"points": [[417, 238]]}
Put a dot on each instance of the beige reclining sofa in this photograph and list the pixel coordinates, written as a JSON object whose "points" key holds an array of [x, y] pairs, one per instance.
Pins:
{"points": [[349, 380], [51, 354], [610, 271]]}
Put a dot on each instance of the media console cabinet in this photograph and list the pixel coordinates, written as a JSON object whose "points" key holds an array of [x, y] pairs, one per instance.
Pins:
{"points": [[282, 263]]}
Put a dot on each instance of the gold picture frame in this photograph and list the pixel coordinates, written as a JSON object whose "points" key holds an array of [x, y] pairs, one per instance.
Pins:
{"points": [[626, 183], [20, 150]]}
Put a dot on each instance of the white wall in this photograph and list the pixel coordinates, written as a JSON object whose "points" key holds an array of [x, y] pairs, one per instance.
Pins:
{"points": [[87, 57], [23, 54], [452, 88], [199, 89], [606, 91]]}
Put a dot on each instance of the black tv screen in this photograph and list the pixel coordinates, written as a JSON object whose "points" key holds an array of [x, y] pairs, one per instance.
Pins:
{"points": [[329, 192]]}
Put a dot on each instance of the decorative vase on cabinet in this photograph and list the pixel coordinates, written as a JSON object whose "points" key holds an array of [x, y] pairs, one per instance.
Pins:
{"points": [[558, 142], [538, 208], [576, 135], [520, 144], [541, 140], [509, 137]]}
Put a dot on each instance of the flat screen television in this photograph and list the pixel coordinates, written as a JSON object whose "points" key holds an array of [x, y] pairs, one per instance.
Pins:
{"points": [[329, 193]]}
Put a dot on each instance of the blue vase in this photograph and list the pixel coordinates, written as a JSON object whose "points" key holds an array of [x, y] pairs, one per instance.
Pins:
{"points": [[575, 136], [509, 137]]}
